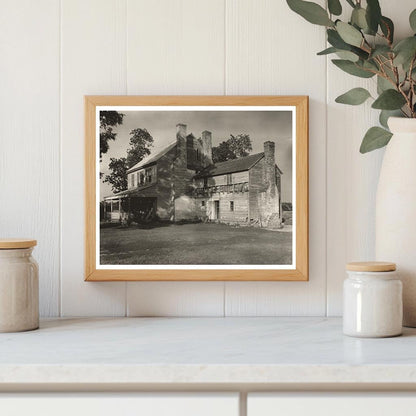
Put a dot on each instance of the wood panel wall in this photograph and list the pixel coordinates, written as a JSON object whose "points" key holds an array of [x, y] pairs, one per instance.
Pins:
{"points": [[56, 51]]}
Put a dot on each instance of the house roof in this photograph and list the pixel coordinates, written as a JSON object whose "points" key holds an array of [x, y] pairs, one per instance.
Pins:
{"points": [[234, 165], [151, 158]]}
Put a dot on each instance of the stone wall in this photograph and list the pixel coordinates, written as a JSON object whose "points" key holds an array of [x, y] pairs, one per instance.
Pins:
{"points": [[264, 191], [256, 186], [163, 189], [240, 213]]}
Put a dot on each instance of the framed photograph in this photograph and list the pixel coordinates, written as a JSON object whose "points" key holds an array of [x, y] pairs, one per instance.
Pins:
{"points": [[196, 188]]}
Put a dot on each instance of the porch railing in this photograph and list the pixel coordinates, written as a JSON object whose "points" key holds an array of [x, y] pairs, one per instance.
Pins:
{"points": [[232, 188]]}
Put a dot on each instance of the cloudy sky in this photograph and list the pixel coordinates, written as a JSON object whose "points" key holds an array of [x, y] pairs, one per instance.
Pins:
{"points": [[260, 125]]}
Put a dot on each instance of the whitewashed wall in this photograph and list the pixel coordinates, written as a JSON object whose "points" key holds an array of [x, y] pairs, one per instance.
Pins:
{"points": [[55, 52]]}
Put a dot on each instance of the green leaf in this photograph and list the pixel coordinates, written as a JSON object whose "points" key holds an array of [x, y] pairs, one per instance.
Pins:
{"points": [[347, 55], [412, 20], [334, 7], [389, 100], [386, 114], [405, 50], [387, 27], [375, 138], [361, 53], [352, 68], [356, 96], [350, 56], [383, 85], [349, 34], [335, 40], [373, 14], [327, 51], [373, 65], [406, 65], [380, 50], [358, 18], [311, 12]]}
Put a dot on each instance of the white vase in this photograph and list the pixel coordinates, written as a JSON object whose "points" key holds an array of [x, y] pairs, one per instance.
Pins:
{"points": [[396, 210]]}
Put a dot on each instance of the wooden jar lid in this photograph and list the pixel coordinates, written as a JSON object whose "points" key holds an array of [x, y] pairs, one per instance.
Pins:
{"points": [[371, 266], [13, 243]]}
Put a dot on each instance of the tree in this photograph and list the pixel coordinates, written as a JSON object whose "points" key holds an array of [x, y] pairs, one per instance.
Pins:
{"points": [[222, 152], [240, 145], [140, 142], [118, 176], [233, 148], [108, 120]]}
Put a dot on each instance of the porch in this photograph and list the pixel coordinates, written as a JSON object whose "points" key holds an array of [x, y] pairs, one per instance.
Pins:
{"points": [[126, 209]]}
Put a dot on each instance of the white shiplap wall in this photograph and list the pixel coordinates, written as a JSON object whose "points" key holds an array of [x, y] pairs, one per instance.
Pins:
{"points": [[55, 52], [29, 138]]}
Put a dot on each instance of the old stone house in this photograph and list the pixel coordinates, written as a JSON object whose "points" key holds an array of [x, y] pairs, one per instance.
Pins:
{"points": [[182, 183]]}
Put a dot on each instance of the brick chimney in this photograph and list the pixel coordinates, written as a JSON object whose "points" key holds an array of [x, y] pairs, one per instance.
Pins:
{"points": [[206, 138], [181, 145], [269, 165]]}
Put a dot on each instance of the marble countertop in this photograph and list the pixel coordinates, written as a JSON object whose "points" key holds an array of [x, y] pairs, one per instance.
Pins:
{"points": [[287, 351]]}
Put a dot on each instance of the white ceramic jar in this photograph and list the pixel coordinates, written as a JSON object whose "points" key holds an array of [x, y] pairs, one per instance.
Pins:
{"points": [[372, 300], [19, 286]]}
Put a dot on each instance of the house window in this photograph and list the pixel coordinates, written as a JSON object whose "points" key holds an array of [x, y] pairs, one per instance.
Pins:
{"points": [[134, 181], [141, 178], [229, 178], [115, 205], [197, 154], [231, 206], [149, 175], [205, 182], [203, 204]]}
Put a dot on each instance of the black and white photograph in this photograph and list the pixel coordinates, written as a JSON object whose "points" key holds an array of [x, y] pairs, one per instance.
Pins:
{"points": [[191, 186]]}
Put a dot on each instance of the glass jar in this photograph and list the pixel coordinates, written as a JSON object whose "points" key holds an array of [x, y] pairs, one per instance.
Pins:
{"points": [[372, 300], [19, 286]]}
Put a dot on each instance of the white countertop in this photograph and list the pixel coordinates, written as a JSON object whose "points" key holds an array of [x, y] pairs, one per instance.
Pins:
{"points": [[234, 351]]}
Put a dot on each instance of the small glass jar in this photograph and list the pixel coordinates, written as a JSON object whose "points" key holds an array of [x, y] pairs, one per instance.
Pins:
{"points": [[372, 300], [19, 286]]}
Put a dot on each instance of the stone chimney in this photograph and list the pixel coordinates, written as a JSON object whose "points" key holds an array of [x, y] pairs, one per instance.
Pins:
{"points": [[181, 145], [206, 138], [269, 165]]}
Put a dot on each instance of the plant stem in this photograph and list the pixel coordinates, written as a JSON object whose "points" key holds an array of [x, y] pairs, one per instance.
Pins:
{"points": [[411, 89]]}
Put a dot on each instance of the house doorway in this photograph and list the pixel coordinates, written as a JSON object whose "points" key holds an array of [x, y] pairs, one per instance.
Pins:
{"points": [[217, 210], [143, 209]]}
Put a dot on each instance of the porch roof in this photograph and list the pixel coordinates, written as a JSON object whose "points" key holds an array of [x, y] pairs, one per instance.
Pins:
{"points": [[129, 192]]}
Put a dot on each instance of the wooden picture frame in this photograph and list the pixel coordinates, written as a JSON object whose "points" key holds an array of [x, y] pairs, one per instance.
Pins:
{"points": [[297, 105]]}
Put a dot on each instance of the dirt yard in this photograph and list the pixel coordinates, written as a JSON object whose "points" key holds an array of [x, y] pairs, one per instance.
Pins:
{"points": [[195, 244]]}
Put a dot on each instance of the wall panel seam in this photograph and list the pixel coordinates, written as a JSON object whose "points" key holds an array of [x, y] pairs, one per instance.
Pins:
{"points": [[60, 160], [126, 90], [224, 290], [326, 183], [225, 51], [326, 178]]}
